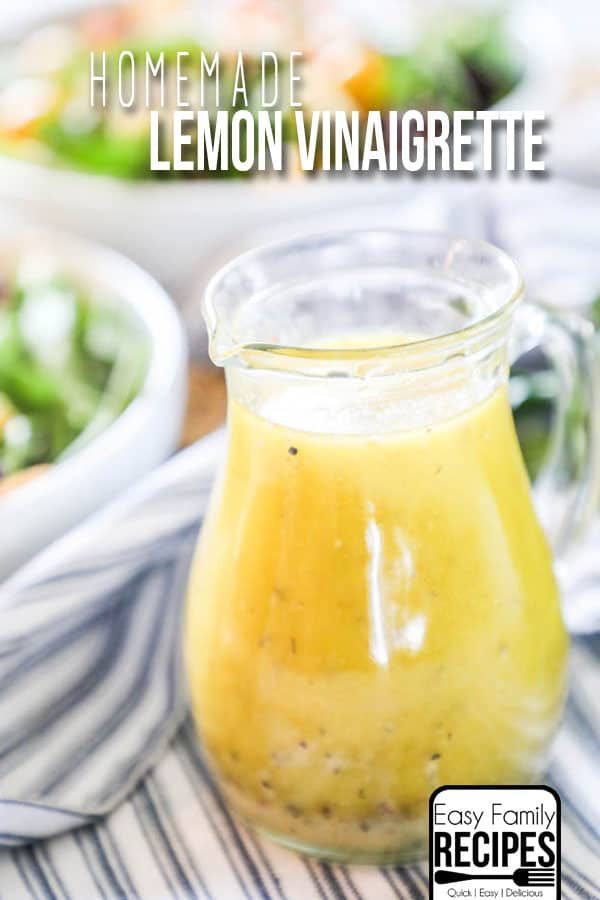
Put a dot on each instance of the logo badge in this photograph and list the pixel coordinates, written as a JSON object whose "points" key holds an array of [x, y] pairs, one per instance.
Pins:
{"points": [[499, 843]]}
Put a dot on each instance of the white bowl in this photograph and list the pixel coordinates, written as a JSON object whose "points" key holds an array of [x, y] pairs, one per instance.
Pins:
{"points": [[141, 437]]}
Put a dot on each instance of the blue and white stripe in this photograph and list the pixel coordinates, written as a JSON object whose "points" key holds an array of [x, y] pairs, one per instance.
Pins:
{"points": [[96, 753]]}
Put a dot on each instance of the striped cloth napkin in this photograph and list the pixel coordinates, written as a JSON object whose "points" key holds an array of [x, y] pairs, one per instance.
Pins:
{"points": [[97, 755]]}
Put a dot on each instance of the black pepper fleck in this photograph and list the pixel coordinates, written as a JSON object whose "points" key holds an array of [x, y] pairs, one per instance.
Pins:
{"points": [[267, 785], [293, 811], [326, 811], [364, 826], [303, 744], [435, 756], [292, 451]]}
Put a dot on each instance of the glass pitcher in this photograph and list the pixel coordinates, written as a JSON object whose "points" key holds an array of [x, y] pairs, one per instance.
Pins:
{"points": [[373, 610]]}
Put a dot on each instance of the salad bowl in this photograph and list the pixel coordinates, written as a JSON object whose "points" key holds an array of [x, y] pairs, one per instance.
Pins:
{"points": [[94, 470], [173, 227]]}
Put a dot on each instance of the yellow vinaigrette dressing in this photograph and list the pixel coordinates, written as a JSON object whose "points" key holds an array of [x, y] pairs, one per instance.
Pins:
{"points": [[371, 616]]}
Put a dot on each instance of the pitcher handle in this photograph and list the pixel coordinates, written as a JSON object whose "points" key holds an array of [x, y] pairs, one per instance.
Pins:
{"points": [[566, 490]]}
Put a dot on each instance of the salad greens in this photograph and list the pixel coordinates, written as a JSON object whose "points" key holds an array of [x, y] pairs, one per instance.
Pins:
{"points": [[463, 62], [69, 365]]}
